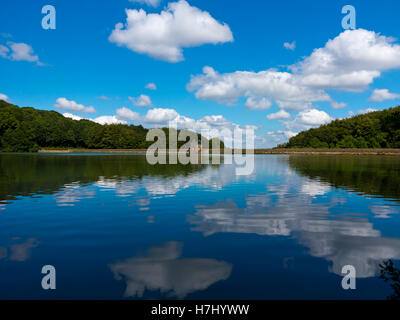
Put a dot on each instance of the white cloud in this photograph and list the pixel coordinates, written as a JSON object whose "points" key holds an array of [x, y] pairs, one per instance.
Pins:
{"points": [[72, 116], [142, 101], [368, 110], [151, 86], [63, 103], [338, 105], [282, 114], [362, 111], [307, 119], [257, 104], [379, 95], [313, 117], [153, 3], [290, 45], [283, 87], [163, 36], [109, 120], [22, 51], [101, 120], [288, 134], [3, 51], [19, 52], [127, 114], [160, 115], [351, 113], [4, 97], [349, 62], [274, 138]]}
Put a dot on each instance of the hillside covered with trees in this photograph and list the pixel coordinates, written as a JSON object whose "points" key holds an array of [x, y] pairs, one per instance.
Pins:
{"points": [[378, 129], [28, 129]]}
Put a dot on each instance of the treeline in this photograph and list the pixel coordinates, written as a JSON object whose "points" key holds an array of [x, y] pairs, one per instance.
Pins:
{"points": [[379, 129], [28, 129]]}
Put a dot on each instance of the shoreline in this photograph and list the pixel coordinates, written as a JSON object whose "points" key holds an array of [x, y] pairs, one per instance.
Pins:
{"points": [[256, 151]]}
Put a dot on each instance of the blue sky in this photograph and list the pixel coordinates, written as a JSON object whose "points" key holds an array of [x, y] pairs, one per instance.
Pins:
{"points": [[250, 75]]}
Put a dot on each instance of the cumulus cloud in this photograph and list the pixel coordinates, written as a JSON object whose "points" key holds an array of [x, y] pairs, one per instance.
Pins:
{"points": [[127, 114], [277, 137], [338, 105], [362, 111], [141, 101], [63, 103], [163, 36], [351, 113], [283, 87], [19, 52], [290, 45], [304, 120], [100, 120], [257, 104], [72, 116], [4, 97], [24, 52], [151, 86], [350, 62], [282, 114], [308, 118], [3, 51], [160, 115], [109, 120], [152, 3], [368, 110], [379, 95]]}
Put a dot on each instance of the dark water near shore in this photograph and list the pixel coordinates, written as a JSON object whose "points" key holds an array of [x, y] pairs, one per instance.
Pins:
{"points": [[116, 227]]}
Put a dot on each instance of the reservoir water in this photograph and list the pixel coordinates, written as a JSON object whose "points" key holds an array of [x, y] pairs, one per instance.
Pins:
{"points": [[115, 227]]}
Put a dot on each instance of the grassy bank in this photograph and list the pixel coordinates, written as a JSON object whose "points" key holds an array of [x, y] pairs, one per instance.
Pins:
{"points": [[256, 151]]}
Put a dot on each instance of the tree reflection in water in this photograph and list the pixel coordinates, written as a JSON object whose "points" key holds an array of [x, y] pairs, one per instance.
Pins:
{"points": [[391, 274]]}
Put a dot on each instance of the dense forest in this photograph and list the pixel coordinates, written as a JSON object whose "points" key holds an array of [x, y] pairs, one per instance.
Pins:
{"points": [[28, 129], [379, 129]]}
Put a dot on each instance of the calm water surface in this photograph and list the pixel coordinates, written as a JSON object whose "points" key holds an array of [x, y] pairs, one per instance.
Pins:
{"points": [[115, 227]]}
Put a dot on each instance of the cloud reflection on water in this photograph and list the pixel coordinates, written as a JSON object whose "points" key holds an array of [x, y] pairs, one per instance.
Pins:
{"points": [[19, 252], [163, 269], [303, 209]]}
